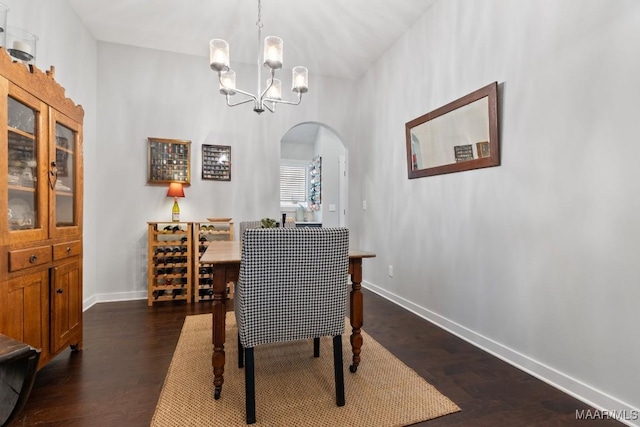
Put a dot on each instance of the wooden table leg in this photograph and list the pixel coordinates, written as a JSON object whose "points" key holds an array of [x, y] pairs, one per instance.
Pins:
{"points": [[218, 327], [355, 311]]}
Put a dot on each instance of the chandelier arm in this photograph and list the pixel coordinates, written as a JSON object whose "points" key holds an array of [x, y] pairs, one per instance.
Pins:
{"points": [[264, 92], [280, 101], [252, 96], [238, 103], [228, 96], [271, 109]]}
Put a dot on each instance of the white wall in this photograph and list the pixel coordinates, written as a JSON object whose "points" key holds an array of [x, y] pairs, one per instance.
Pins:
{"points": [[296, 151], [330, 148], [147, 93], [64, 42], [535, 260]]}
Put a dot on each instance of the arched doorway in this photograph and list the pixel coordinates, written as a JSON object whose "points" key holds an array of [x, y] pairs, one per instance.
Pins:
{"points": [[298, 148]]}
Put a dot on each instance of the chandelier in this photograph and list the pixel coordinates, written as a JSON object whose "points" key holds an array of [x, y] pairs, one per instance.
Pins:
{"points": [[271, 58]]}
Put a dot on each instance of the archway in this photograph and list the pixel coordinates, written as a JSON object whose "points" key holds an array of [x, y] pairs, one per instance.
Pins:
{"points": [[298, 147]]}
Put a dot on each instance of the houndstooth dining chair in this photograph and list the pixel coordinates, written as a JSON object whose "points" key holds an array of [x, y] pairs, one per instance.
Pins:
{"points": [[246, 225], [292, 286]]}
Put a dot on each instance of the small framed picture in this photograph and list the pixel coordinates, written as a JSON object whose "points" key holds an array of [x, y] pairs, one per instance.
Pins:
{"points": [[168, 160], [483, 149], [216, 162]]}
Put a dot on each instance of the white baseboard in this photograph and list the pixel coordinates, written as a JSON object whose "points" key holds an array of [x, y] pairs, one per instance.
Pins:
{"points": [[598, 399], [114, 297]]}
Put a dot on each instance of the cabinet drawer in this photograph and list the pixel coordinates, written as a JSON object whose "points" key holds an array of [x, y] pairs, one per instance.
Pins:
{"points": [[66, 250], [26, 258]]}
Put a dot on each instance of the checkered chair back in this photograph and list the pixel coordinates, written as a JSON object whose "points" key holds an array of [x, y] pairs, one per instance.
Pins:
{"points": [[245, 225], [292, 284]]}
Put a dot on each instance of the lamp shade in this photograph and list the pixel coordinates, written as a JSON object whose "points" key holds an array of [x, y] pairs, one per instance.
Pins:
{"points": [[273, 52], [175, 190], [219, 55], [228, 82], [275, 90], [300, 79]]}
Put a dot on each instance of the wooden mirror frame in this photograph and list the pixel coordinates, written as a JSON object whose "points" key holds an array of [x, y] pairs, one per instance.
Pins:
{"points": [[492, 159]]}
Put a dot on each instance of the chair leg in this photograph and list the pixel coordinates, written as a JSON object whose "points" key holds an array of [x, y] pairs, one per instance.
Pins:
{"points": [[338, 369], [240, 354], [316, 347], [249, 387]]}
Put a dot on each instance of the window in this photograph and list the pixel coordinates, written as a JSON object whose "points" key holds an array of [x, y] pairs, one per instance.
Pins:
{"points": [[293, 183]]}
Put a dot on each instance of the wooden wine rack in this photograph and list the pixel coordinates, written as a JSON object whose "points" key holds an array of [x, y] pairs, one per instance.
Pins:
{"points": [[170, 262]]}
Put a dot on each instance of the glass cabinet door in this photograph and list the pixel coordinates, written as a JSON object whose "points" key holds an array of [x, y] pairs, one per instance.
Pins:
{"points": [[65, 176], [26, 193]]}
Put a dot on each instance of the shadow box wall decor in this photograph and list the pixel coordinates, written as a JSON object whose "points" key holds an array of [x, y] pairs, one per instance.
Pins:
{"points": [[168, 161], [216, 162]]}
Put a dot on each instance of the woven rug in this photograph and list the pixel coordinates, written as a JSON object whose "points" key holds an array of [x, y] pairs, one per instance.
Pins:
{"points": [[292, 387]]}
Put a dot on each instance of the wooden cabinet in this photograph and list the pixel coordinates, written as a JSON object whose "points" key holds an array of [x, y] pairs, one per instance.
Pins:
{"points": [[25, 308], [66, 304], [170, 261], [40, 210]]}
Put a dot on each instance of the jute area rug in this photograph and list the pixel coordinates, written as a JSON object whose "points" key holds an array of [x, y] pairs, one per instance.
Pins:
{"points": [[292, 387]]}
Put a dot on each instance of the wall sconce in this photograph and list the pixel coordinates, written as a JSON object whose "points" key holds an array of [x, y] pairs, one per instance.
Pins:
{"points": [[175, 191], [3, 25], [21, 45]]}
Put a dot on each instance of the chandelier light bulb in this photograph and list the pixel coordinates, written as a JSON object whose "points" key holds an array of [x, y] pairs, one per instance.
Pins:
{"points": [[300, 79], [273, 47], [219, 55], [275, 91], [228, 82]]}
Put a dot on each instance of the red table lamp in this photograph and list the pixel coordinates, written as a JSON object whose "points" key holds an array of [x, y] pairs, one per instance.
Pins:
{"points": [[175, 191]]}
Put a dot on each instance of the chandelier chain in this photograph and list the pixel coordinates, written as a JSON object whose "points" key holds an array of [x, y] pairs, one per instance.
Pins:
{"points": [[259, 22]]}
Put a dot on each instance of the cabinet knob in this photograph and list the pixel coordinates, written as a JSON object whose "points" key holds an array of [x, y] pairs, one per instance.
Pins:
{"points": [[33, 258], [59, 290], [68, 249]]}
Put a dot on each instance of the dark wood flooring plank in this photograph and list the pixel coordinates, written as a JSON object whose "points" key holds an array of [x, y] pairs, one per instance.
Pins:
{"points": [[116, 379]]}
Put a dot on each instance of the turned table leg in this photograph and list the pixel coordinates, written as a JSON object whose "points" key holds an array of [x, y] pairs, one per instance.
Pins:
{"points": [[355, 299], [218, 327]]}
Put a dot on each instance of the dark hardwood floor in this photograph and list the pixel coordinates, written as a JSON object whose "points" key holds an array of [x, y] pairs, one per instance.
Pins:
{"points": [[116, 379]]}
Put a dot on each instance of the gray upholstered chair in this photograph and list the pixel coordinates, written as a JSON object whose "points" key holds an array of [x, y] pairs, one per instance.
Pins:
{"points": [[292, 286]]}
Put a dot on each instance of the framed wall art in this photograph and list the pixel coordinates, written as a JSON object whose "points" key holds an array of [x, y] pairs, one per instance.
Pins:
{"points": [[216, 162], [168, 160]]}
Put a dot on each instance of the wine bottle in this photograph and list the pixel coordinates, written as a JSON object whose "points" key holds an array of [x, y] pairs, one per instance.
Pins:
{"points": [[175, 211]]}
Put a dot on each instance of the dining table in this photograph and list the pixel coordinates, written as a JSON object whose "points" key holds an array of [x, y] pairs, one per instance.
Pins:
{"points": [[224, 258]]}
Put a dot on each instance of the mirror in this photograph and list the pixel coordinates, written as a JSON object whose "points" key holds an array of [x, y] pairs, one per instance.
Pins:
{"points": [[459, 136]]}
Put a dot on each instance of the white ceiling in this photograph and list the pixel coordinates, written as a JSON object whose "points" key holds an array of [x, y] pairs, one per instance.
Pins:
{"points": [[340, 38]]}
